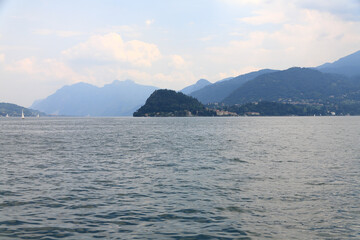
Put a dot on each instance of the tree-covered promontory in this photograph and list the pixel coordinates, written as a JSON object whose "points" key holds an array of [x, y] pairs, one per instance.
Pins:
{"points": [[167, 103], [13, 110]]}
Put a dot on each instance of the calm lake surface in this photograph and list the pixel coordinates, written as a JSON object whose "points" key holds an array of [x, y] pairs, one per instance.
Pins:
{"points": [[180, 178]]}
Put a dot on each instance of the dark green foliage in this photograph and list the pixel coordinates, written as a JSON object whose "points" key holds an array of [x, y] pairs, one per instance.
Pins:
{"points": [[170, 103], [284, 109], [276, 109], [344, 108], [14, 110]]}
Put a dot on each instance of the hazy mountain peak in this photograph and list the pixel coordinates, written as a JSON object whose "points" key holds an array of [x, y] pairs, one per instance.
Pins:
{"points": [[348, 65], [198, 85], [218, 91], [119, 98], [80, 84], [201, 81]]}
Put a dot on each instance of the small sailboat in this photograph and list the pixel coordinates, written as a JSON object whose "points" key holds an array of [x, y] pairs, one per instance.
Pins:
{"points": [[22, 114], [38, 116], [7, 115]]}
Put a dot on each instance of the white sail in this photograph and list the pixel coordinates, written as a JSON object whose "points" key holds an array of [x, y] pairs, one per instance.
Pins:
{"points": [[22, 114], [38, 116], [7, 115]]}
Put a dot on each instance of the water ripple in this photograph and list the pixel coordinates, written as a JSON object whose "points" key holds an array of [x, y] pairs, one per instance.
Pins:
{"points": [[180, 178]]}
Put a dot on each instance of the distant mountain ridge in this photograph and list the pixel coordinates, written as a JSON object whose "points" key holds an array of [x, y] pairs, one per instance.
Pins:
{"points": [[348, 65], [218, 91], [120, 98], [301, 85], [198, 85], [331, 83]]}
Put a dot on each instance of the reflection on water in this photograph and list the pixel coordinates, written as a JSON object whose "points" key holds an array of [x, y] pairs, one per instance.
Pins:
{"points": [[180, 178]]}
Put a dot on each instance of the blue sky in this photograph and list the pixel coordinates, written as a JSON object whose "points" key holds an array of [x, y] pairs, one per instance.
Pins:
{"points": [[45, 44]]}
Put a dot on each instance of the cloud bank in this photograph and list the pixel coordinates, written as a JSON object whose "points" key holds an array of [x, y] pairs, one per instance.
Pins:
{"points": [[112, 48]]}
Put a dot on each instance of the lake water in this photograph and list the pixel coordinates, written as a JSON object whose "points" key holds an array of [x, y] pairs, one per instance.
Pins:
{"points": [[180, 178]]}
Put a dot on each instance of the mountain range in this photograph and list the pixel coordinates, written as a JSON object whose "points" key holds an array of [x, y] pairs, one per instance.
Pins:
{"points": [[218, 91], [299, 85], [120, 98], [330, 83]]}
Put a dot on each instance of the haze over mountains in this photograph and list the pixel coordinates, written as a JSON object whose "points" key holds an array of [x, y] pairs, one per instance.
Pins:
{"points": [[334, 83], [348, 66], [218, 91], [301, 85], [120, 98], [198, 85]]}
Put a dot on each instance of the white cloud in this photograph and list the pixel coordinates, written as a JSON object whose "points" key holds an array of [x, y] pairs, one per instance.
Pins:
{"points": [[112, 48], [272, 12], [44, 69], [113, 58], [141, 54], [303, 38], [176, 61], [171, 80], [149, 22], [25, 65]]}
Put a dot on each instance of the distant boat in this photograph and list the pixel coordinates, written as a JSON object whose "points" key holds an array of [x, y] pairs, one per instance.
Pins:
{"points": [[38, 116], [7, 115], [22, 114]]}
